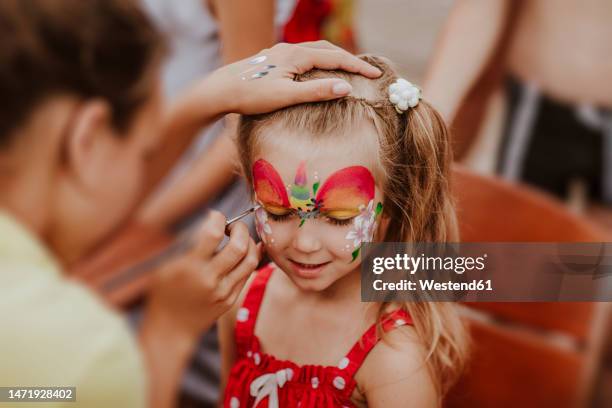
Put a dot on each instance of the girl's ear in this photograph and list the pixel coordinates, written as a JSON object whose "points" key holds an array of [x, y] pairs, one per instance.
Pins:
{"points": [[85, 137]]}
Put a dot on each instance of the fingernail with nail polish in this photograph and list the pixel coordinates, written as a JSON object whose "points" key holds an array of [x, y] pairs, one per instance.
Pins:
{"points": [[341, 88]]}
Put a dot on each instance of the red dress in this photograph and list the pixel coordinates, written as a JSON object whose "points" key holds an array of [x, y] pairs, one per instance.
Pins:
{"points": [[258, 379]]}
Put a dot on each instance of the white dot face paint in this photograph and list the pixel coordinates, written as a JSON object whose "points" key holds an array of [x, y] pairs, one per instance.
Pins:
{"points": [[264, 230]]}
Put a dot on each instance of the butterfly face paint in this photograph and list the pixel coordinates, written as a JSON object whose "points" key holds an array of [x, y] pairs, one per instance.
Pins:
{"points": [[346, 194], [300, 193], [269, 187]]}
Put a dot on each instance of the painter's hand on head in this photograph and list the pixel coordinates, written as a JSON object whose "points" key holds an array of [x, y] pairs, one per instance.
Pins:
{"points": [[192, 292], [264, 82]]}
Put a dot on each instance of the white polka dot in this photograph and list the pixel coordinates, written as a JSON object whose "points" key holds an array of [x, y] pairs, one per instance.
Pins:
{"points": [[234, 403], [343, 363], [243, 314], [256, 358], [339, 383], [400, 322], [249, 354], [314, 381]]}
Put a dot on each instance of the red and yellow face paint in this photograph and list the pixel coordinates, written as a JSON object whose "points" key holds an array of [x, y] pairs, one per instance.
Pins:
{"points": [[346, 194]]}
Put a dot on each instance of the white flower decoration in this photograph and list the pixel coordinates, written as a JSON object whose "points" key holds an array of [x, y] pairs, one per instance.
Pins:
{"points": [[261, 224], [363, 226], [404, 95]]}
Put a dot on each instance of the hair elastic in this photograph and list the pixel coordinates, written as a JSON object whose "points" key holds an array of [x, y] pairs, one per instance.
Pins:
{"points": [[404, 95]]}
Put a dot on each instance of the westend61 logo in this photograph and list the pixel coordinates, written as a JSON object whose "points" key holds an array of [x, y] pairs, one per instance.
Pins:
{"points": [[490, 272]]}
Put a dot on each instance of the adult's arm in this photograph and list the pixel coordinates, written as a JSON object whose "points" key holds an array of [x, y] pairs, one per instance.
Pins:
{"points": [[210, 173], [245, 27], [224, 92], [469, 38]]}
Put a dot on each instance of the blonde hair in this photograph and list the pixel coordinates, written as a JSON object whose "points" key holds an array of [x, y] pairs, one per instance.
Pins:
{"points": [[414, 158]]}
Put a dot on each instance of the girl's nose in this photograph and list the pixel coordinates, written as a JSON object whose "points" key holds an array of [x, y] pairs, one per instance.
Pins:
{"points": [[306, 239]]}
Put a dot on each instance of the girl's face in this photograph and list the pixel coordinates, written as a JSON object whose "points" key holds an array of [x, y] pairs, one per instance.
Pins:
{"points": [[320, 201]]}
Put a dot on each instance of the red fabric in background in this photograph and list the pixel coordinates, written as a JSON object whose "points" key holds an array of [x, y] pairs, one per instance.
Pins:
{"points": [[307, 21]]}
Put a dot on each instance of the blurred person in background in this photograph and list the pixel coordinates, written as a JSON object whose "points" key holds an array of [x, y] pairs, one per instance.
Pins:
{"points": [[558, 71], [331, 20], [81, 121], [203, 35]]}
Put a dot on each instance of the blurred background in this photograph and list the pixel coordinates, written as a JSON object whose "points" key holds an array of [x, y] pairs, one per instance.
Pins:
{"points": [[526, 87], [524, 352], [405, 31]]}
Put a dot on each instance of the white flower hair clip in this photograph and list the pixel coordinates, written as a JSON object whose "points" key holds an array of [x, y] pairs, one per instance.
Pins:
{"points": [[404, 95]]}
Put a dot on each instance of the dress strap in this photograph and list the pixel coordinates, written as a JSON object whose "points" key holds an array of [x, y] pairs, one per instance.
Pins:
{"points": [[247, 314], [354, 359]]}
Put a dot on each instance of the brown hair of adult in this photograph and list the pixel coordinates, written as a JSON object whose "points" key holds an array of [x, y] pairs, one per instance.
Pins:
{"points": [[87, 48], [413, 159]]}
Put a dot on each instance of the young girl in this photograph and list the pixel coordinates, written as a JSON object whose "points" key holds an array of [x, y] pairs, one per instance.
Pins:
{"points": [[329, 176]]}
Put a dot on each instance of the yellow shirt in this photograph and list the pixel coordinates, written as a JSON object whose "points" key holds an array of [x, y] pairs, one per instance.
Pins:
{"points": [[54, 332]]}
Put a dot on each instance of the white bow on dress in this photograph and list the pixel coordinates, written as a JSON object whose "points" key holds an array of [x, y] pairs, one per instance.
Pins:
{"points": [[267, 385]]}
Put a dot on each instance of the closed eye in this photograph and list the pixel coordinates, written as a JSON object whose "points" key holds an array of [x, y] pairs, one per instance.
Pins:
{"points": [[280, 216], [339, 221], [340, 217], [276, 209]]}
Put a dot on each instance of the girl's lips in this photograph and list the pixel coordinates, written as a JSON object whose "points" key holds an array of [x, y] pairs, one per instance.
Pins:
{"points": [[307, 270]]}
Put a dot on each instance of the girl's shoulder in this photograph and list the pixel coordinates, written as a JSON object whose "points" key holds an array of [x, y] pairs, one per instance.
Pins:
{"points": [[396, 370]]}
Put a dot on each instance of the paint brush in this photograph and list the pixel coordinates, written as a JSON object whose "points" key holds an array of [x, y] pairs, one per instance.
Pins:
{"points": [[239, 217], [184, 243]]}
